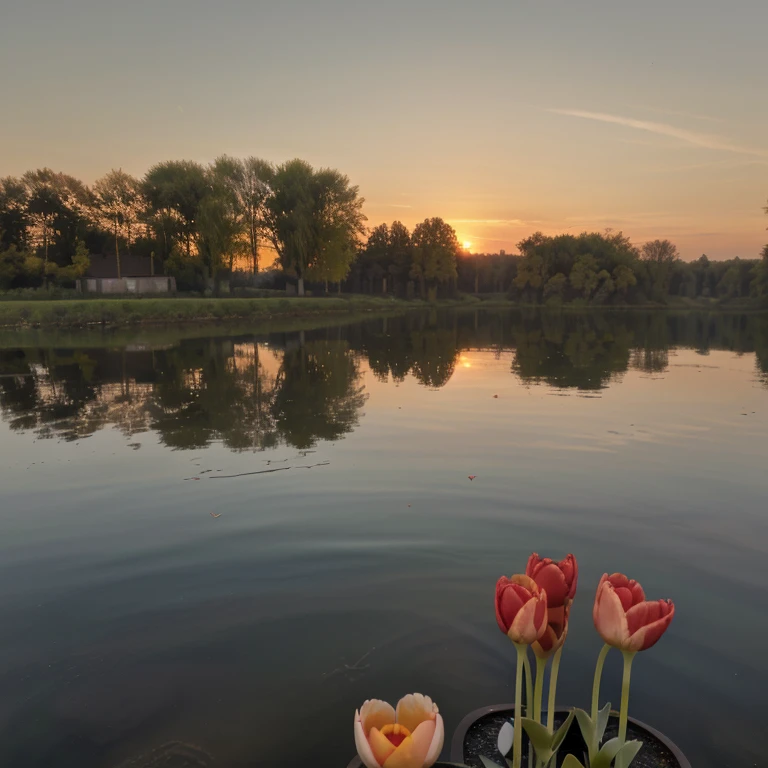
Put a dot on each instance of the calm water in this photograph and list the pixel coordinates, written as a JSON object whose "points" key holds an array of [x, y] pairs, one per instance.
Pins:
{"points": [[231, 541]]}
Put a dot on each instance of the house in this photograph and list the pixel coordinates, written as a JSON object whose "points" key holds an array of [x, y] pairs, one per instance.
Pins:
{"points": [[137, 276]]}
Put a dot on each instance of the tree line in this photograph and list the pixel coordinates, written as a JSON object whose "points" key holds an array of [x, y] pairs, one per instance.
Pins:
{"points": [[189, 220], [198, 223]]}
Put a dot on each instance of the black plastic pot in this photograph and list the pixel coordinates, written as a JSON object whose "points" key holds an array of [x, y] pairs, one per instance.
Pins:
{"points": [[478, 731]]}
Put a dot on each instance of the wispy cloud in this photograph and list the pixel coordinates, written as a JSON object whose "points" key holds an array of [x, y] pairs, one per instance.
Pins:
{"points": [[705, 140], [679, 113], [399, 205]]}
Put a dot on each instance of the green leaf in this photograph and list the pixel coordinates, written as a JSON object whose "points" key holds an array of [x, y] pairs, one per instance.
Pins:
{"points": [[602, 721], [571, 761], [628, 752], [540, 737], [488, 763], [561, 733], [605, 756], [586, 725]]}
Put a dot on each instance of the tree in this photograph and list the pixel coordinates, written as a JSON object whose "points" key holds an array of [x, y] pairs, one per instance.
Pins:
{"points": [[249, 181], [660, 256], [219, 225], [57, 209], [175, 191], [13, 213], [435, 251], [555, 287], [118, 204], [759, 285], [399, 251], [623, 279], [583, 276], [376, 256], [312, 218]]}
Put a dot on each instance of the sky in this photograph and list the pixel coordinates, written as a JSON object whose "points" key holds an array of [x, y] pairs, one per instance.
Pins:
{"points": [[502, 117]]}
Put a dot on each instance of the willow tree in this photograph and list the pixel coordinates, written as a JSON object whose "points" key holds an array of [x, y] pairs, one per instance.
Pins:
{"points": [[312, 218]]}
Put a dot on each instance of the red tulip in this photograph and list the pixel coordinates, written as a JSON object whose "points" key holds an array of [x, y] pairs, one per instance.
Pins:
{"points": [[554, 633], [624, 618], [558, 580], [521, 609]]}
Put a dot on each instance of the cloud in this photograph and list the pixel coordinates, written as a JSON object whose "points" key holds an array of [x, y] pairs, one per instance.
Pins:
{"points": [[398, 205], [705, 140], [680, 113]]}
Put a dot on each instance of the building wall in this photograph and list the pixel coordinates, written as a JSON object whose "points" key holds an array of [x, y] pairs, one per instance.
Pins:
{"points": [[127, 285]]}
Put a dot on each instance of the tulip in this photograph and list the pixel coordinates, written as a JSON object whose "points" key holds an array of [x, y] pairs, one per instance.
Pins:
{"points": [[521, 609], [554, 634], [521, 613], [629, 622], [409, 737], [623, 617], [558, 580]]}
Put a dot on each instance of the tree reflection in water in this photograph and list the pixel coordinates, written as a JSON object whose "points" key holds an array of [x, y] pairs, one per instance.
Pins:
{"points": [[257, 392]]}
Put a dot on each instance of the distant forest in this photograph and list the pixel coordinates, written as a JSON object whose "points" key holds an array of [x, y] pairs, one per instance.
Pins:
{"points": [[207, 225]]}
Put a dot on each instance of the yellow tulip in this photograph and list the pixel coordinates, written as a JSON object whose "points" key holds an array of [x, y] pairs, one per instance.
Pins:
{"points": [[409, 737]]}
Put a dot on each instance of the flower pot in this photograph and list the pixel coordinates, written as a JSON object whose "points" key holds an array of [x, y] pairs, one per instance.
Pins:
{"points": [[477, 734]]}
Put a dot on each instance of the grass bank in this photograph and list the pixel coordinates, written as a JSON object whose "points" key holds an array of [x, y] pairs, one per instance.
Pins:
{"points": [[119, 312]]}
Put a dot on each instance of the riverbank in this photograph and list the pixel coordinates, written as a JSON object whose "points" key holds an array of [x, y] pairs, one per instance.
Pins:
{"points": [[83, 313], [121, 312]]}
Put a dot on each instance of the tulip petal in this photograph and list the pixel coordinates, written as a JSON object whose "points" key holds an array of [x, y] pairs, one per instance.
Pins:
{"points": [[625, 595], [651, 620], [534, 563], [381, 746], [422, 740], [525, 581], [570, 569], [436, 747], [552, 580], [530, 622], [508, 603], [414, 709], [376, 714], [364, 751], [602, 581], [610, 619], [404, 756]]}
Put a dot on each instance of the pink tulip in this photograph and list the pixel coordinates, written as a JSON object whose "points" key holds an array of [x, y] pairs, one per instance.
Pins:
{"points": [[624, 618], [409, 737], [521, 609], [558, 580]]}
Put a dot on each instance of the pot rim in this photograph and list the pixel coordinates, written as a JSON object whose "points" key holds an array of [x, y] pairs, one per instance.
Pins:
{"points": [[457, 742]]}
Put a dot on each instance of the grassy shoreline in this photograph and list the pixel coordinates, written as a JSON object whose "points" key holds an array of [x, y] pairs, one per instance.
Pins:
{"points": [[121, 312], [84, 313]]}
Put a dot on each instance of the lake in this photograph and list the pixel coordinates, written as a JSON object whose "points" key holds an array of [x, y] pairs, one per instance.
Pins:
{"points": [[216, 543]]}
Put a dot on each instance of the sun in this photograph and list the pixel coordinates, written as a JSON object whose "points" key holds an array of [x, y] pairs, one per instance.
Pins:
{"points": [[467, 245]]}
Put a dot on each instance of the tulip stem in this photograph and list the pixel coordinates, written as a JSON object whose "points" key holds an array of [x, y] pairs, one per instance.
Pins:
{"points": [[553, 689], [624, 712], [598, 678], [517, 743], [528, 686], [541, 665], [528, 698]]}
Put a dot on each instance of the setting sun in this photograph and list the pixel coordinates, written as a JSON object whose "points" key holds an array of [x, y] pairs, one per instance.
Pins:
{"points": [[467, 245]]}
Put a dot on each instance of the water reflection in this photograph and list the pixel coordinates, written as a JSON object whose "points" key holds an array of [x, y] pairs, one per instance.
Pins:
{"points": [[255, 392]]}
